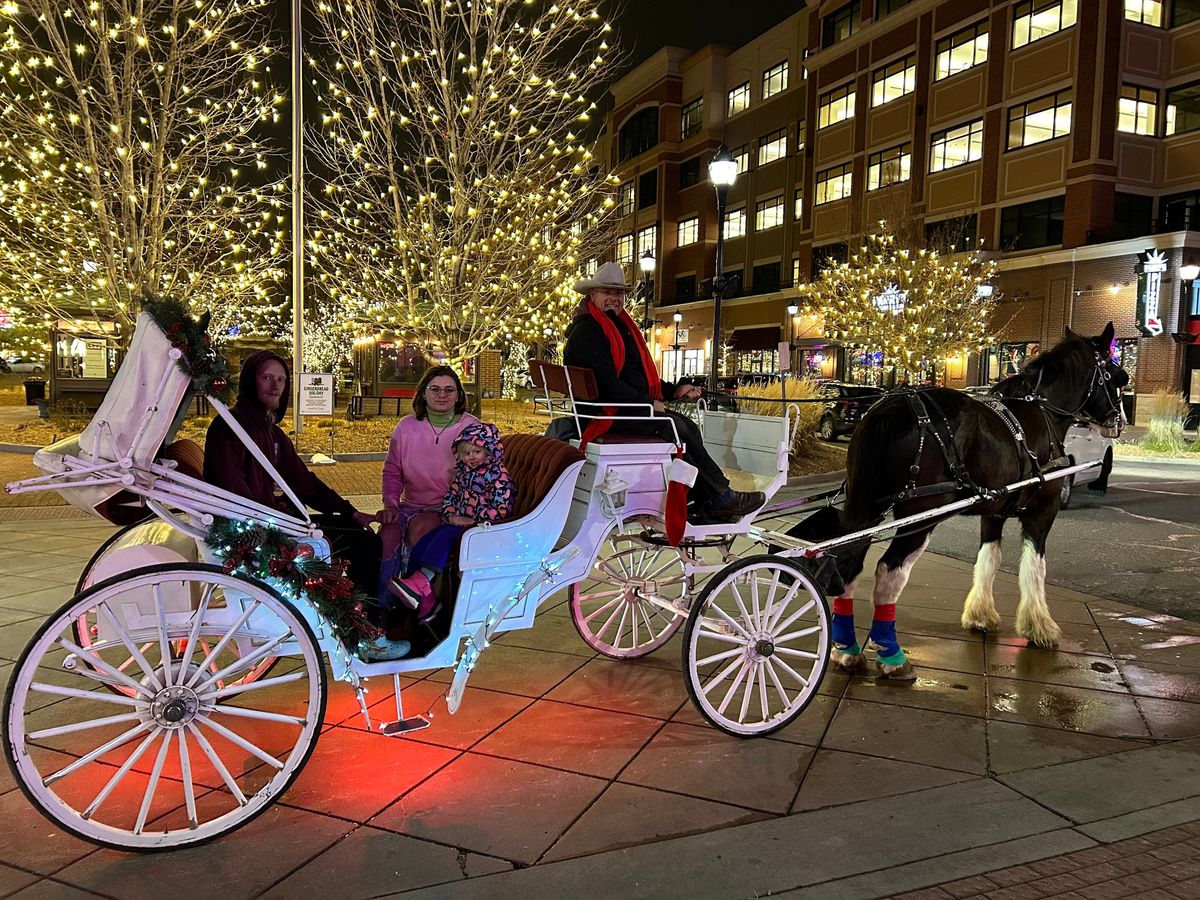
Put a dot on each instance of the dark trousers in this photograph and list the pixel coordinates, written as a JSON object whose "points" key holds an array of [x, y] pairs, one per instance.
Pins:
{"points": [[435, 548], [711, 481], [356, 544]]}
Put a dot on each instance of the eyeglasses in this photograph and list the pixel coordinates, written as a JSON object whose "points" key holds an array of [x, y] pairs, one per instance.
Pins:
{"points": [[441, 390]]}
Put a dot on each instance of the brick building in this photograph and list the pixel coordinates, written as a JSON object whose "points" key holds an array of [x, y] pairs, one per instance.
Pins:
{"points": [[1064, 134]]}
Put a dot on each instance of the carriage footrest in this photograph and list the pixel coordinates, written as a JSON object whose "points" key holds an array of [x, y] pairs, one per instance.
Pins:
{"points": [[404, 726]]}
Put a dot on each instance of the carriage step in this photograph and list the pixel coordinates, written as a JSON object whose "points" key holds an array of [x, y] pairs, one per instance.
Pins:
{"points": [[403, 726]]}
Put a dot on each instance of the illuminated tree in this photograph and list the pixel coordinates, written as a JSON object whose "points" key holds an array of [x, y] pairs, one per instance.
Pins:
{"points": [[459, 197], [919, 306], [131, 160]]}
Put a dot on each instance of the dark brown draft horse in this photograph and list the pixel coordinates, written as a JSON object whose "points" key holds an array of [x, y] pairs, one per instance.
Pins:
{"points": [[920, 449]]}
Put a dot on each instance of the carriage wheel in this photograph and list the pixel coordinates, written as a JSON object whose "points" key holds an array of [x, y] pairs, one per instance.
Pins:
{"points": [[756, 645], [172, 759], [614, 613], [88, 626]]}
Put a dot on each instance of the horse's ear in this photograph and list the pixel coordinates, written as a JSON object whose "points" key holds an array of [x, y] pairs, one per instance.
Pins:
{"points": [[1106, 336], [1068, 333]]}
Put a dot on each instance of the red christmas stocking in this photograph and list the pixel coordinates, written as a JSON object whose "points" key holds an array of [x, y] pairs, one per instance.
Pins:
{"points": [[680, 477]]}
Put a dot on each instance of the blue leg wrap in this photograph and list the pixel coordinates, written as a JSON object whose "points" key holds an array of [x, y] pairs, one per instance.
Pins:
{"points": [[843, 630], [883, 636]]}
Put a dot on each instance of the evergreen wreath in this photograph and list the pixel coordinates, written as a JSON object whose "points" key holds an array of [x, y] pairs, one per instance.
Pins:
{"points": [[208, 370]]}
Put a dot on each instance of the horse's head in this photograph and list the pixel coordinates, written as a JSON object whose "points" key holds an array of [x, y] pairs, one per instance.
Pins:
{"points": [[1101, 381]]}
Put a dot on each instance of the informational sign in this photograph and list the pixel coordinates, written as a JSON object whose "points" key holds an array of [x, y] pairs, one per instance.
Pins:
{"points": [[681, 335], [1194, 387], [95, 358], [891, 299], [316, 394], [1151, 269], [785, 356]]}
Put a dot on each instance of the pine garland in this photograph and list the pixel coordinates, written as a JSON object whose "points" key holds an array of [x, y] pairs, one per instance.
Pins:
{"points": [[269, 555], [209, 370]]}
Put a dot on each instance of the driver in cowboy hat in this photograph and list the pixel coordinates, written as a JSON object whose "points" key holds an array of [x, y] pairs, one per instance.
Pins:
{"points": [[606, 340]]}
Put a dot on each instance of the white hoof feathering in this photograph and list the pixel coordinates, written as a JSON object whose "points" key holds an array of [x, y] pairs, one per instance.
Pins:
{"points": [[1033, 616], [979, 609], [847, 662]]}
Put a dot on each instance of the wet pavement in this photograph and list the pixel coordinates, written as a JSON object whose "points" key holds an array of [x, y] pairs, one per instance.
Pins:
{"points": [[565, 769]]}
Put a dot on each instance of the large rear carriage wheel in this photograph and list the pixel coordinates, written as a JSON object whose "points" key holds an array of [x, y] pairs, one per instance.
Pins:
{"points": [[756, 645], [174, 749]]}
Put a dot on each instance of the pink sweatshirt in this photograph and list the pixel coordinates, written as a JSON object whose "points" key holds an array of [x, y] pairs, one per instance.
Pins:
{"points": [[420, 462]]}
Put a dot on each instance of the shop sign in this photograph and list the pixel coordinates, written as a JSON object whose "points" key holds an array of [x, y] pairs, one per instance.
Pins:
{"points": [[95, 358], [1149, 287], [891, 300], [316, 394]]}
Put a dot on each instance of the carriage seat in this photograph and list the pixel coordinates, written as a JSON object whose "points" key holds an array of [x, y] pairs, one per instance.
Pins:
{"points": [[535, 462], [188, 456], [580, 384]]}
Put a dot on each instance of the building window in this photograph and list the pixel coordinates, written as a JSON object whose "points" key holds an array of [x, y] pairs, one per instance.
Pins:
{"points": [[688, 231], [768, 214], [1035, 224], [834, 184], [1133, 216], [1148, 12], [647, 189], [766, 278], [735, 223], [956, 235], [799, 210], [739, 99], [840, 24], [1184, 11], [625, 199], [795, 271], [956, 146], [775, 79], [625, 250], [689, 172], [835, 106], [772, 147], [1180, 212], [1036, 19], [1183, 108], [685, 287], [1039, 120], [742, 157], [1137, 110], [828, 256], [647, 241], [801, 132], [639, 134], [693, 117], [733, 282], [961, 51], [890, 166], [894, 81], [887, 7]]}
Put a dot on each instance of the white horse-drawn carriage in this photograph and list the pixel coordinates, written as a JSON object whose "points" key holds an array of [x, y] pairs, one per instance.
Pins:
{"points": [[171, 701]]}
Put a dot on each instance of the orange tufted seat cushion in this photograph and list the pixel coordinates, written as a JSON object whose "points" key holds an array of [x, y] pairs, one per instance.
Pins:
{"points": [[535, 462], [188, 454]]}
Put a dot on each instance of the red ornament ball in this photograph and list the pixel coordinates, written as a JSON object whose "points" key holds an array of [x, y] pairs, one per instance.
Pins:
{"points": [[304, 551], [219, 384]]}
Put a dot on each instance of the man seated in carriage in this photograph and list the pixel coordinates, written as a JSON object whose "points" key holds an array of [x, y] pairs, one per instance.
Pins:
{"points": [[606, 340], [264, 388]]}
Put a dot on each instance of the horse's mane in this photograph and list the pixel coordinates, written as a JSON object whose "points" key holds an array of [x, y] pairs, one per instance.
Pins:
{"points": [[1069, 355]]}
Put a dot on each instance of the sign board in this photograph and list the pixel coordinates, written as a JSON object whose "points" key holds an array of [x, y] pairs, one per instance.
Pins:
{"points": [[1194, 387], [1150, 270], [785, 356], [681, 335], [316, 394], [891, 299], [95, 358]]}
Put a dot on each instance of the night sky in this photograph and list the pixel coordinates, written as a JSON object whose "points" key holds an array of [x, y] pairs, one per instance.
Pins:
{"points": [[647, 25]]}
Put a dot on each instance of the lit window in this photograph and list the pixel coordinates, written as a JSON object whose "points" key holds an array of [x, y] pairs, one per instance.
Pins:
{"points": [[688, 231], [840, 24], [648, 240], [795, 270], [693, 117], [742, 158], [735, 223], [1036, 19], [959, 52], [1039, 120], [834, 184], [1183, 108], [799, 204], [625, 250], [1137, 110], [835, 106], [956, 146], [1148, 12], [772, 147], [768, 213], [775, 79], [889, 167], [894, 81], [739, 98], [801, 132], [625, 199]]}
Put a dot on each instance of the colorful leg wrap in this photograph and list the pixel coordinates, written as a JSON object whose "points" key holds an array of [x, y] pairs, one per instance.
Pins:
{"points": [[883, 636], [843, 626]]}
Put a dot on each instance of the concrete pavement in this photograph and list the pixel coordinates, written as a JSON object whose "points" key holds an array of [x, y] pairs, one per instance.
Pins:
{"points": [[566, 772]]}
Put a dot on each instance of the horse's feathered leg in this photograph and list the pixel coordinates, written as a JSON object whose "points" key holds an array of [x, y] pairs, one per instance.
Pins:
{"points": [[891, 576], [979, 610], [1034, 622]]}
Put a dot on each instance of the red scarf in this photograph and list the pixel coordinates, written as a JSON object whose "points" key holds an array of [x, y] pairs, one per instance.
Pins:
{"points": [[616, 346]]}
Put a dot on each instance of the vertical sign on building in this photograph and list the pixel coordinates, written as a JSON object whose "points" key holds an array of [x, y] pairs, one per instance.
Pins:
{"points": [[1152, 266]]}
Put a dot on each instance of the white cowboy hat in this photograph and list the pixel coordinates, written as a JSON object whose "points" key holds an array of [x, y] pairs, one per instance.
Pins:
{"points": [[609, 275]]}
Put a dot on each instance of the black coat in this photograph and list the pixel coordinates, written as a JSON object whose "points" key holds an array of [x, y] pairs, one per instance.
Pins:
{"points": [[587, 347]]}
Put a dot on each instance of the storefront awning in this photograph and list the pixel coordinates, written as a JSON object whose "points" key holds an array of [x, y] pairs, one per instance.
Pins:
{"points": [[744, 339]]}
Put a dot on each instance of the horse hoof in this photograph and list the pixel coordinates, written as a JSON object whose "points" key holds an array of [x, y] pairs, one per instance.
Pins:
{"points": [[1043, 638], [904, 672], [847, 662], [985, 625]]}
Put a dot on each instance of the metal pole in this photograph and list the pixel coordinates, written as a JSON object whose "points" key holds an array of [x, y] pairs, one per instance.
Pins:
{"points": [[297, 215], [718, 286]]}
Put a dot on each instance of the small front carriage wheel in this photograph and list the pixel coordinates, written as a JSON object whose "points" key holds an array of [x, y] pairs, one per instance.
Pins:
{"points": [[635, 600], [756, 645], [184, 751]]}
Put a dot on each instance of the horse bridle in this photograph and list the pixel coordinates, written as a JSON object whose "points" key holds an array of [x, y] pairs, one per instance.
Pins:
{"points": [[1100, 377]]}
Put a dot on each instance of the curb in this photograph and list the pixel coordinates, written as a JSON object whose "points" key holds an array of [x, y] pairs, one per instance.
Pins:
{"points": [[1156, 461]]}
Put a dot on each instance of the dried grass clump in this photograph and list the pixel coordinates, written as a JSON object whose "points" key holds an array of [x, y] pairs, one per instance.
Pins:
{"points": [[1165, 433]]}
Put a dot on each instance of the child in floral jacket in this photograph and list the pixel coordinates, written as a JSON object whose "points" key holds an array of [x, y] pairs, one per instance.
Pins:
{"points": [[481, 493]]}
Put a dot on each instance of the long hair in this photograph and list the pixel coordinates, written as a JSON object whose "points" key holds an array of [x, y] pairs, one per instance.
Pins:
{"points": [[421, 408]]}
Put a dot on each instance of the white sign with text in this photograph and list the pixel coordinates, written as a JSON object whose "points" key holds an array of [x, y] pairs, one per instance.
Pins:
{"points": [[316, 394]]}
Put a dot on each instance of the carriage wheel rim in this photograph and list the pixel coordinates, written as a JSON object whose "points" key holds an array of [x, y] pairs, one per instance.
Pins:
{"points": [[187, 752], [756, 646]]}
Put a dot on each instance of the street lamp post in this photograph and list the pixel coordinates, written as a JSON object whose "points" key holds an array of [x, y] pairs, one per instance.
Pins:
{"points": [[646, 263], [677, 318], [722, 172]]}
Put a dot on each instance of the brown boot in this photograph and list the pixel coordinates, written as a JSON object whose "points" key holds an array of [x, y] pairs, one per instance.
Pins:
{"points": [[738, 505]]}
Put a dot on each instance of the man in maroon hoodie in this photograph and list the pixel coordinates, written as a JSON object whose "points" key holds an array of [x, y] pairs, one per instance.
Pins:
{"points": [[264, 388]]}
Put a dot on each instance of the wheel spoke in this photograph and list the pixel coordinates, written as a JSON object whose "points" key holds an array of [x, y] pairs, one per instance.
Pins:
{"points": [[134, 651], [717, 657], [189, 790], [800, 678], [778, 626], [245, 713], [97, 753], [801, 654], [755, 608], [215, 652], [603, 609], [243, 743], [259, 685], [102, 696], [721, 676], [621, 625], [244, 662], [604, 628], [787, 701], [747, 691], [803, 632], [152, 784], [721, 636], [733, 687], [741, 605], [97, 663], [120, 774], [215, 759], [762, 690], [729, 619], [164, 638], [185, 658], [773, 623], [83, 726]]}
